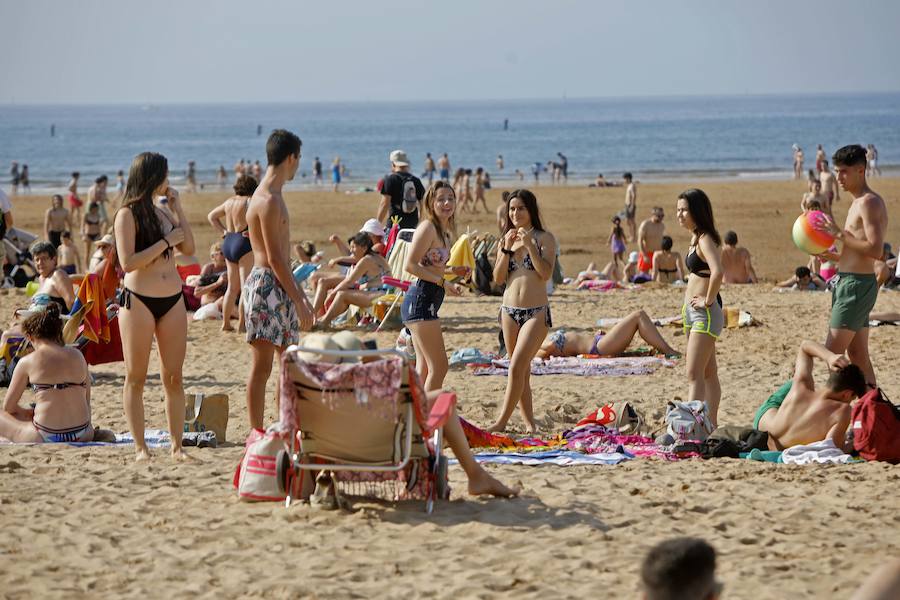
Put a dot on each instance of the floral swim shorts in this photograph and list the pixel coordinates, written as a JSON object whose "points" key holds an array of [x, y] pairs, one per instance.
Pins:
{"points": [[269, 313]]}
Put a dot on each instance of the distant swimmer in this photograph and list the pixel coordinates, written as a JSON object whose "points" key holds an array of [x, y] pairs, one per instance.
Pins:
{"points": [[563, 167], [630, 204], [221, 176], [820, 158], [872, 160], [798, 162], [191, 177], [830, 187], [25, 180], [259, 130], [14, 177], [499, 162], [240, 168], [317, 171], [335, 173], [505, 124], [52, 130], [429, 168]]}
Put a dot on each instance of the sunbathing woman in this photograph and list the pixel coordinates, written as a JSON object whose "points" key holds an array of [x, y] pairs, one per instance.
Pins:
{"points": [[146, 240], [525, 259], [613, 343], [667, 265], [235, 245], [362, 285], [702, 314], [427, 262], [58, 377]]}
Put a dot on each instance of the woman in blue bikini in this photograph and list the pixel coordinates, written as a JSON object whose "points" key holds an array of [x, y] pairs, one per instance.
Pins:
{"points": [[235, 245], [525, 259], [612, 343], [146, 239]]}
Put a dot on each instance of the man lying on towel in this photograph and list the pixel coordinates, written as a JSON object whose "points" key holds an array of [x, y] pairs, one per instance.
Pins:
{"points": [[798, 413]]}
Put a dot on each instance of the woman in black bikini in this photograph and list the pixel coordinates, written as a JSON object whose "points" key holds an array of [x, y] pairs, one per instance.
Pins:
{"points": [[702, 315], [525, 259], [90, 227], [235, 245], [146, 239], [667, 265]]}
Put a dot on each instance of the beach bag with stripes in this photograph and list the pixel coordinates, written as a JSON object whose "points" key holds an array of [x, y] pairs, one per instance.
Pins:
{"points": [[256, 477]]}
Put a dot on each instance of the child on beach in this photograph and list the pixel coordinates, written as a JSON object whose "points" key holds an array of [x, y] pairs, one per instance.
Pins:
{"points": [[616, 241], [797, 413], [58, 376], [69, 257]]}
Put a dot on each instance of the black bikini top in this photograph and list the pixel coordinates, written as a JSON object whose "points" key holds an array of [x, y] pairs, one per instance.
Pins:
{"points": [[695, 264], [527, 263]]}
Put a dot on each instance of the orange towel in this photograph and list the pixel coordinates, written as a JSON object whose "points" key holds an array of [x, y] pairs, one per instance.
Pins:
{"points": [[92, 296]]}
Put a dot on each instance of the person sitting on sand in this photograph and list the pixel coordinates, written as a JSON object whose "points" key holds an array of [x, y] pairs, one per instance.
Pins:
{"points": [[69, 256], [54, 284], [213, 280], [797, 413], [612, 343], [680, 569], [803, 280], [106, 247], [885, 266], [668, 266], [373, 229], [361, 286], [58, 376], [736, 262]]}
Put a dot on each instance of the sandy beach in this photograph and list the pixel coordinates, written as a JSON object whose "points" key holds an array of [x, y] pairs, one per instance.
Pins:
{"points": [[80, 522]]}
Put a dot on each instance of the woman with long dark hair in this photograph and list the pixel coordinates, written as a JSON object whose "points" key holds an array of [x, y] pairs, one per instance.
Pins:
{"points": [[525, 258], [146, 238], [702, 314]]}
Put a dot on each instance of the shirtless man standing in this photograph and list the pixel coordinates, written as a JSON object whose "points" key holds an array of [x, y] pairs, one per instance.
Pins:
{"points": [[736, 261], [630, 205], [820, 158], [815, 196], [830, 188], [798, 162], [56, 221], [272, 301], [649, 238], [797, 413], [862, 244], [444, 167]]}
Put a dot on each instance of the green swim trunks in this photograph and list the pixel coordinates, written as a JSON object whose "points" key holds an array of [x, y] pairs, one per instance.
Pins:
{"points": [[852, 300], [774, 401]]}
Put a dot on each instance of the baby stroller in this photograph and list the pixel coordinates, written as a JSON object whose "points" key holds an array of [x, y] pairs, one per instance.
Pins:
{"points": [[365, 427], [19, 268]]}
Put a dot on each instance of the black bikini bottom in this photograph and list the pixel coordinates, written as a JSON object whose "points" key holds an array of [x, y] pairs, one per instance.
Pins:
{"points": [[158, 307]]}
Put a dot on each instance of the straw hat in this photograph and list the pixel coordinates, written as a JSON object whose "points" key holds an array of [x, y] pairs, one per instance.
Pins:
{"points": [[106, 240]]}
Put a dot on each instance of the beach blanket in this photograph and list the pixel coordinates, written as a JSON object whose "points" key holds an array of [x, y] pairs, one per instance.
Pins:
{"points": [[562, 458], [155, 438], [573, 365], [602, 285], [817, 452]]}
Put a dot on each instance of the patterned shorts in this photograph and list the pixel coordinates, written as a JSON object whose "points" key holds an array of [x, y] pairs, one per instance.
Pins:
{"points": [[269, 313]]}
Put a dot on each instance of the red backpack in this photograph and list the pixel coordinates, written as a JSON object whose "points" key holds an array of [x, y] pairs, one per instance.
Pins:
{"points": [[876, 427]]}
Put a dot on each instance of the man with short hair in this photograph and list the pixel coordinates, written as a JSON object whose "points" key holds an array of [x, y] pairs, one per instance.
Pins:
{"points": [[797, 413], [401, 194], [429, 168], [630, 204], [862, 239], [803, 280], [649, 236], [830, 188], [272, 300], [444, 167], [736, 262], [680, 569]]}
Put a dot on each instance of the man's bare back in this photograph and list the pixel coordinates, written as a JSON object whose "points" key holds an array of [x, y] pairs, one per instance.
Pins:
{"points": [[735, 263], [805, 417]]}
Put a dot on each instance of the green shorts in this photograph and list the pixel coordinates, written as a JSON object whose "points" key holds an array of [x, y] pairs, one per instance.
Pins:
{"points": [[774, 401], [852, 301]]}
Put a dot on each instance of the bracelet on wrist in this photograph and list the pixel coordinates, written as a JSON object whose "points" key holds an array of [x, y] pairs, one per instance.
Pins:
{"points": [[507, 252]]}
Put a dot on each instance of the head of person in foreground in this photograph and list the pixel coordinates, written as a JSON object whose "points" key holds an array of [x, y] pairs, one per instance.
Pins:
{"points": [[680, 569]]}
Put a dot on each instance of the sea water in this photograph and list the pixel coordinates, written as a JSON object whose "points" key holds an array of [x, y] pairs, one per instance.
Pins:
{"points": [[655, 138]]}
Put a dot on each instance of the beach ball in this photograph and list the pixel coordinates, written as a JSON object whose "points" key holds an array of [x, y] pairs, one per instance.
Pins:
{"points": [[808, 237]]}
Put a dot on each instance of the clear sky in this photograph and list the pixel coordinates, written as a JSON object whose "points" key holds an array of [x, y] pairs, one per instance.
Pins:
{"points": [[156, 51]]}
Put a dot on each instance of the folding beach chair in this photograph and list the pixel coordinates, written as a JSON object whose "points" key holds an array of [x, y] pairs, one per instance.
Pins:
{"points": [[367, 425]]}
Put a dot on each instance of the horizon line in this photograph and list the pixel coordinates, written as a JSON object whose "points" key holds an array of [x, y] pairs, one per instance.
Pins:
{"points": [[563, 98]]}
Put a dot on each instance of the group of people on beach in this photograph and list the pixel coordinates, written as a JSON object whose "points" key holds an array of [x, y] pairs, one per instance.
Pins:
{"points": [[151, 230]]}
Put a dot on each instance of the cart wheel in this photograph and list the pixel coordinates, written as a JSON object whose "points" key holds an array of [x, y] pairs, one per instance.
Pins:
{"points": [[283, 471], [441, 483]]}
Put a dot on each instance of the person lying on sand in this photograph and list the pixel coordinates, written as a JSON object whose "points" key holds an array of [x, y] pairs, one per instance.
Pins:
{"points": [[58, 377], [613, 343], [797, 413], [803, 280]]}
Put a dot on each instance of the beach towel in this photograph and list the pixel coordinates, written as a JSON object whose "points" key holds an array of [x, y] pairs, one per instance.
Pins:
{"points": [[562, 458], [818, 452], [573, 365], [601, 285], [155, 438], [470, 356], [461, 255], [478, 438], [92, 296]]}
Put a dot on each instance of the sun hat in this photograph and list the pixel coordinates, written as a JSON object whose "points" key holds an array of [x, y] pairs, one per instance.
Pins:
{"points": [[398, 157], [373, 227], [318, 341], [107, 240], [633, 257]]}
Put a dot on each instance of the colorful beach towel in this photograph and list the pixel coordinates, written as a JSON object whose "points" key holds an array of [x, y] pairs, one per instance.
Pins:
{"points": [[602, 285], [573, 365], [562, 458]]}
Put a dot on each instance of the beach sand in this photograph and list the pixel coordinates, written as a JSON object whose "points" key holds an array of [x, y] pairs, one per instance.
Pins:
{"points": [[89, 521]]}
